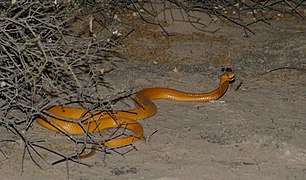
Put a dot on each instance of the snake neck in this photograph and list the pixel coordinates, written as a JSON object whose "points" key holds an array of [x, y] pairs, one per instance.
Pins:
{"points": [[223, 86], [145, 96], [146, 108]]}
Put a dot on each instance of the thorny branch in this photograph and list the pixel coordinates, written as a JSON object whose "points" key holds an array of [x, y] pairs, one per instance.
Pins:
{"points": [[43, 64]]}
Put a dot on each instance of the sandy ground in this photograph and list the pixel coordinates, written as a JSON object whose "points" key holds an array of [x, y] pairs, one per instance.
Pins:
{"points": [[256, 131]]}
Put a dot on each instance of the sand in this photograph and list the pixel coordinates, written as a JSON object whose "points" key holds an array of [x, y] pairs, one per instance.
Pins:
{"points": [[257, 130]]}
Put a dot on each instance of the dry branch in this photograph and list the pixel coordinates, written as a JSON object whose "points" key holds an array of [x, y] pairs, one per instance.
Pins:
{"points": [[43, 63]]}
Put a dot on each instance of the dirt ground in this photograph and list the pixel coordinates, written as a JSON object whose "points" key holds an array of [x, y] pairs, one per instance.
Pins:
{"points": [[257, 130]]}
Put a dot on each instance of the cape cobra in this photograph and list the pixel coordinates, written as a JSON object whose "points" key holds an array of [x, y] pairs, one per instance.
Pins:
{"points": [[77, 120]]}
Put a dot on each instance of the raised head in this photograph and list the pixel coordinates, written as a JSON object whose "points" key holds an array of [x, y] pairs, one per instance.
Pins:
{"points": [[227, 77], [225, 80]]}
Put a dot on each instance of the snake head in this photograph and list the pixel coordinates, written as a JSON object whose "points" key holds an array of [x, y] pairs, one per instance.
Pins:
{"points": [[227, 77]]}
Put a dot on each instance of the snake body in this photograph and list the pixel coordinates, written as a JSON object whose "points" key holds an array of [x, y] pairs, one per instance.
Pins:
{"points": [[77, 120]]}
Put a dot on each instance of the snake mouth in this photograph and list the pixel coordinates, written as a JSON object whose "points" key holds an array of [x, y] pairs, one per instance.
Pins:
{"points": [[231, 79]]}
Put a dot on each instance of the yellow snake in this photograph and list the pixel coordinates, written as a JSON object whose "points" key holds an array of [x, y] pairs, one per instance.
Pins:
{"points": [[77, 120]]}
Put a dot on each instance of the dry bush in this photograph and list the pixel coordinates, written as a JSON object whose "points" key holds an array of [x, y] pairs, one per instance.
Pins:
{"points": [[202, 14], [44, 63]]}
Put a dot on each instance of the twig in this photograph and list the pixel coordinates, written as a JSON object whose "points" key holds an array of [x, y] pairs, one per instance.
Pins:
{"points": [[284, 68]]}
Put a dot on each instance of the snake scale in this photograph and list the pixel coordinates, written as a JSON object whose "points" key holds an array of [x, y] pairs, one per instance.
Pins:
{"points": [[77, 120]]}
